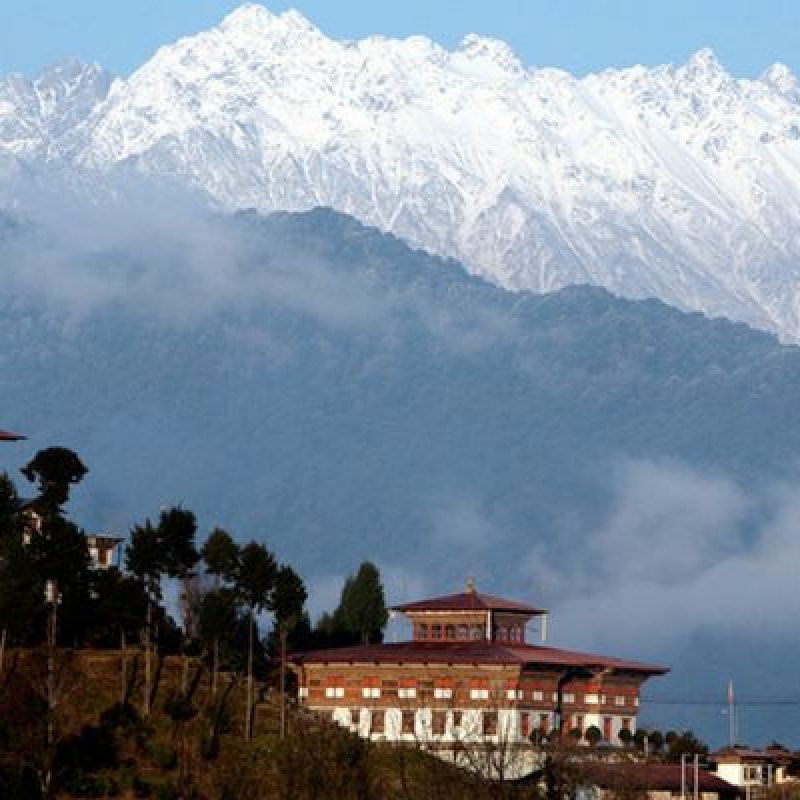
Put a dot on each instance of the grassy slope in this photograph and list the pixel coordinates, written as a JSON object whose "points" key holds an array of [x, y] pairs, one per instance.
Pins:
{"points": [[104, 749]]}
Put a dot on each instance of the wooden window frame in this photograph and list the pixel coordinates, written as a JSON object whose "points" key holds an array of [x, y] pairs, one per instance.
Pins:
{"points": [[377, 723]]}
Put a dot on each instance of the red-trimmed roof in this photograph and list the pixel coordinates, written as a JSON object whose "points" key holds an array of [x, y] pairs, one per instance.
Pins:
{"points": [[664, 777], [473, 652], [468, 601], [7, 436], [736, 754], [104, 538]]}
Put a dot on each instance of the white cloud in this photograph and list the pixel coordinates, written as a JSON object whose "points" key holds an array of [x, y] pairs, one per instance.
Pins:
{"points": [[680, 552]]}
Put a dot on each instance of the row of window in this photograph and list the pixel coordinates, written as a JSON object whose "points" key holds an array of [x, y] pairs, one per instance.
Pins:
{"points": [[488, 722], [597, 699], [444, 693], [455, 632], [577, 724], [437, 631], [509, 633], [438, 722]]}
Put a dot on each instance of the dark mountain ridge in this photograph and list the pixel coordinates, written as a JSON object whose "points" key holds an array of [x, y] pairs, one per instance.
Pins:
{"points": [[342, 396]]}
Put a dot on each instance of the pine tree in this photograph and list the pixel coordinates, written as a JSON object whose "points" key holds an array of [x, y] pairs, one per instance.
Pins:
{"points": [[177, 529], [221, 554], [218, 608], [21, 593], [60, 553], [217, 618], [362, 611], [289, 598], [144, 558], [55, 469], [255, 583]]}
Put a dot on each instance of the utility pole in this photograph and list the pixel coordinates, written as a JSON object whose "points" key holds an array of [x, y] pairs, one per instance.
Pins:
{"points": [[683, 776], [52, 598], [731, 714], [696, 776]]}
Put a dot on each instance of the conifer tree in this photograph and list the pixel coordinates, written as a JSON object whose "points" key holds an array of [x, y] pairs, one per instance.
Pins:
{"points": [[60, 553], [289, 598], [58, 548], [177, 529], [218, 608], [55, 470], [221, 555], [21, 594], [255, 583], [144, 558], [120, 604], [216, 622], [362, 611]]}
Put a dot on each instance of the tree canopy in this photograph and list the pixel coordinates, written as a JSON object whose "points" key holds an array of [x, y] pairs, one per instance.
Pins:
{"points": [[362, 610], [144, 556], [177, 529], [221, 555], [54, 470], [255, 579]]}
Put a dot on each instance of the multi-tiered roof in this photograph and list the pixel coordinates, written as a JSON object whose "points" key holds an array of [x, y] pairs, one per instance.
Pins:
{"points": [[474, 628]]}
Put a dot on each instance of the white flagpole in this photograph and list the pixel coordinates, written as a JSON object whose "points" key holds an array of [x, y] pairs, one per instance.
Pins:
{"points": [[731, 713]]}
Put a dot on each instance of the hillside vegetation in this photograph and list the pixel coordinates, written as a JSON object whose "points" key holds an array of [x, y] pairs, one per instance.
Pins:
{"points": [[194, 749]]}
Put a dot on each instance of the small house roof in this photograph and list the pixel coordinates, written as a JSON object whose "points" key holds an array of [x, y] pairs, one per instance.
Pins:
{"points": [[104, 539], [468, 601], [656, 777], [739, 754]]}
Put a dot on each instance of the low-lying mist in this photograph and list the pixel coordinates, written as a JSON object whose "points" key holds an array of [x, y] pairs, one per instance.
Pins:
{"points": [[313, 383]]}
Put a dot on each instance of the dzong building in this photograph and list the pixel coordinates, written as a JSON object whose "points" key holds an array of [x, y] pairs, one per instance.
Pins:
{"points": [[470, 679]]}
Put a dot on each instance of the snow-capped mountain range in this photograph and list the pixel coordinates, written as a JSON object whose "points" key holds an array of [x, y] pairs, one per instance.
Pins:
{"points": [[680, 182]]}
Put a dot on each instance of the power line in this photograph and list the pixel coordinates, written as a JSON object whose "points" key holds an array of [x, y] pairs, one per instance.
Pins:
{"points": [[719, 703]]}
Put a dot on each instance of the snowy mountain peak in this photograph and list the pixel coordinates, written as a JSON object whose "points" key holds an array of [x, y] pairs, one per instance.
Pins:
{"points": [[679, 182], [71, 81], [34, 114], [250, 16], [253, 18], [780, 78], [704, 67], [492, 51]]}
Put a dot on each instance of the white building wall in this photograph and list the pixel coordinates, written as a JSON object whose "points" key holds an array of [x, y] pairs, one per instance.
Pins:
{"points": [[509, 727]]}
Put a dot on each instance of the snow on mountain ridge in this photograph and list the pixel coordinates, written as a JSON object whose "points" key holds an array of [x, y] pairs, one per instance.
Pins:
{"points": [[34, 114], [681, 182]]}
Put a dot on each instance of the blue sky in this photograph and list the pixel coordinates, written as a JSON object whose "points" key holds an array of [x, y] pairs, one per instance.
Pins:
{"points": [[578, 35]]}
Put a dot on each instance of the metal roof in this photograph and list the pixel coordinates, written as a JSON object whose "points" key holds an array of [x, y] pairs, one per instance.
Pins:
{"points": [[664, 777], [473, 652], [738, 754], [468, 601]]}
